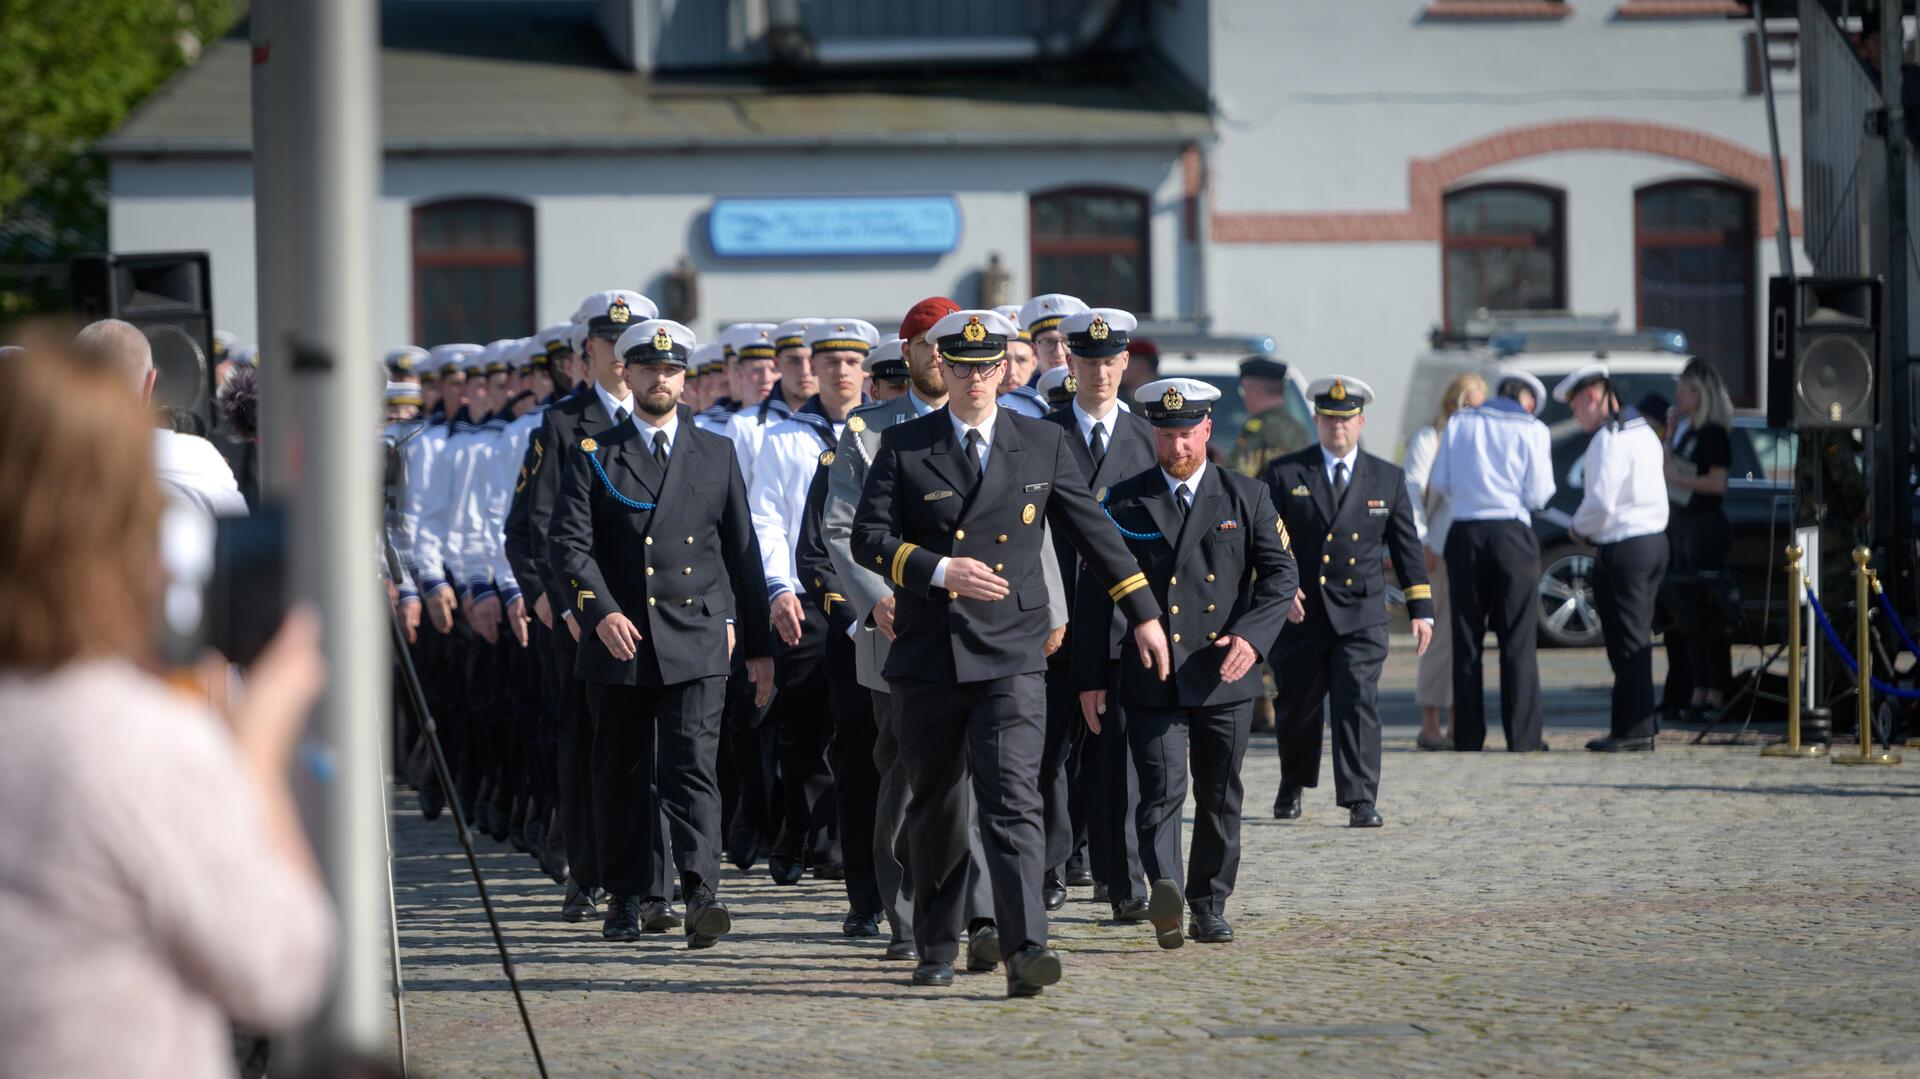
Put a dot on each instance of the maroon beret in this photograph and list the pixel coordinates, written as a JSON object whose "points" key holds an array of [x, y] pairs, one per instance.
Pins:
{"points": [[924, 314]]}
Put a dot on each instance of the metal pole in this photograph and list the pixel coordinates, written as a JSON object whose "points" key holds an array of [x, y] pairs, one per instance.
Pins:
{"points": [[1781, 234], [316, 147], [1897, 533], [1863, 656], [1795, 589]]}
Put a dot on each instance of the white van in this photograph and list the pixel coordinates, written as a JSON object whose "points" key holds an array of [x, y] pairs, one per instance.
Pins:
{"points": [[1187, 352]]}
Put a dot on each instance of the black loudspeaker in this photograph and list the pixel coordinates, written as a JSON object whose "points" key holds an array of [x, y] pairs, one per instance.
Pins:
{"points": [[1823, 352], [169, 295]]}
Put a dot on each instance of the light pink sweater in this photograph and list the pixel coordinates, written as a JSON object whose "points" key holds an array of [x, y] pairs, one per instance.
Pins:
{"points": [[141, 906]]}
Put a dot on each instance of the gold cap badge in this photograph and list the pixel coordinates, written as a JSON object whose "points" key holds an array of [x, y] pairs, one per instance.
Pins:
{"points": [[1098, 331], [1070, 384], [618, 312], [662, 340], [1339, 391], [974, 331], [1172, 401]]}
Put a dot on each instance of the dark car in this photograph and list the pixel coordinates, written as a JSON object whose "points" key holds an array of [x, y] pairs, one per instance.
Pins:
{"points": [[1758, 509]]}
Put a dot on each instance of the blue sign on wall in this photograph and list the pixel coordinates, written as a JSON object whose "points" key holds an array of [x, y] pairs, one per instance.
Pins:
{"points": [[902, 225]]}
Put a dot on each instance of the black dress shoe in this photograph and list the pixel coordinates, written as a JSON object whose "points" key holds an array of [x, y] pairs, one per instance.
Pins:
{"points": [[1163, 910], [1131, 909], [1053, 892], [657, 916], [983, 949], [900, 949], [707, 919], [1610, 744], [786, 869], [1078, 876], [1032, 969], [860, 925], [553, 852], [534, 829], [431, 800], [830, 871], [743, 845], [623, 918], [1210, 928], [579, 905], [1286, 804], [1363, 815], [933, 972]]}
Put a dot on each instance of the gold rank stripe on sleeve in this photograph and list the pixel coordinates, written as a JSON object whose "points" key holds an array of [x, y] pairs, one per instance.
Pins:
{"points": [[1127, 587], [581, 597], [832, 598], [900, 554], [1418, 591]]}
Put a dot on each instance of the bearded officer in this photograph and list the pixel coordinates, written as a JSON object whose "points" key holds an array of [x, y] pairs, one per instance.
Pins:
{"points": [[654, 527], [1216, 555], [1347, 511], [950, 505], [1110, 444]]}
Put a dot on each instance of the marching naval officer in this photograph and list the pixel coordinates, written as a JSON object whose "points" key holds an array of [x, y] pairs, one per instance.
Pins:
{"points": [[1216, 556], [1343, 508], [950, 505], [652, 530], [1495, 467], [1624, 515]]}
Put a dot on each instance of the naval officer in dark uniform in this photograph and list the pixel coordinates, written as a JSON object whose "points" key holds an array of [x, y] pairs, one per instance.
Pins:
{"points": [[1344, 509], [951, 513], [1216, 556], [652, 529]]}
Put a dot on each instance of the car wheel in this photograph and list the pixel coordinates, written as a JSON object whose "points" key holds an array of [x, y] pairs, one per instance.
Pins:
{"points": [[1567, 615]]}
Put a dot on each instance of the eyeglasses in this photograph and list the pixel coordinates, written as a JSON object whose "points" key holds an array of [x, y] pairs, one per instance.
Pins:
{"points": [[985, 372]]}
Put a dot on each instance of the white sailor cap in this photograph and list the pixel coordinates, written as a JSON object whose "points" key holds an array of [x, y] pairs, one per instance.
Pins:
{"points": [[1579, 380], [657, 340], [1176, 402], [1057, 384], [405, 359], [402, 393], [1044, 312], [888, 359], [1012, 311], [793, 333], [708, 359], [1339, 395], [842, 335], [1526, 379], [223, 343], [450, 359], [577, 336], [246, 354], [498, 353], [973, 336], [531, 353], [555, 341], [608, 314], [749, 340], [1098, 331]]}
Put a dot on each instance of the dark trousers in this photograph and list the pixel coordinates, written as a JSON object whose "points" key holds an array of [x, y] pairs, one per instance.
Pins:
{"points": [[1058, 761], [890, 819], [1493, 576], [655, 750], [1627, 577], [803, 719], [996, 728], [1216, 739], [574, 720], [747, 765], [1336, 676], [1113, 799], [1698, 543], [856, 782]]}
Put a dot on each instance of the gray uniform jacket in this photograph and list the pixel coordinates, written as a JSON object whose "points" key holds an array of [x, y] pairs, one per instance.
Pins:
{"points": [[859, 442]]}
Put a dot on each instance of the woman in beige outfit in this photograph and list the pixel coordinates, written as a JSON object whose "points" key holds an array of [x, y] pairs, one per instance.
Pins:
{"points": [[1434, 689]]}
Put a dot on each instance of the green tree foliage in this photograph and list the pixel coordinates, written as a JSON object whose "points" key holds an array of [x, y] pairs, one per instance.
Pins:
{"points": [[70, 71]]}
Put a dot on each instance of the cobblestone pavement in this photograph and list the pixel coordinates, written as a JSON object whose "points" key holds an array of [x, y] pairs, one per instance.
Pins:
{"points": [[1695, 911]]}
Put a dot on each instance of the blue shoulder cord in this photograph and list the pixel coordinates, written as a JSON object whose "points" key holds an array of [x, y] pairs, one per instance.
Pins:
{"points": [[1123, 528], [614, 491]]}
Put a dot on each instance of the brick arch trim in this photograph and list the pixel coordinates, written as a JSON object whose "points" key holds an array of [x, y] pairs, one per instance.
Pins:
{"points": [[1429, 178]]}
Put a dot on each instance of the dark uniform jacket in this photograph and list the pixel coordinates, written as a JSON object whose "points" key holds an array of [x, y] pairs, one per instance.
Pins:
{"points": [[1130, 451], [1339, 551], [924, 501], [819, 578], [678, 571], [1223, 569], [530, 516]]}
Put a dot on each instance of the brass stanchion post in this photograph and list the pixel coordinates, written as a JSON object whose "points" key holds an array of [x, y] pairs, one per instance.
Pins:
{"points": [[1863, 657], [1795, 592]]}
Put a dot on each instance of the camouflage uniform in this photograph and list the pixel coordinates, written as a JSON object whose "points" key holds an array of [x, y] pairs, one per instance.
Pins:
{"points": [[1262, 438]]}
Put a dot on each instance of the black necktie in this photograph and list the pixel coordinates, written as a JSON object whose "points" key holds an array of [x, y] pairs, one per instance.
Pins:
{"points": [[1098, 445], [1183, 497], [660, 449], [977, 451], [1339, 483], [620, 416]]}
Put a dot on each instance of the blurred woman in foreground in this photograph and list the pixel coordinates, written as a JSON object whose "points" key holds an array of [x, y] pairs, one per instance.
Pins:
{"points": [[154, 880]]}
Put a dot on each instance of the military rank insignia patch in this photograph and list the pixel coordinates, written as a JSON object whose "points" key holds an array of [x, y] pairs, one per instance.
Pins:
{"points": [[1375, 503], [1227, 525], [1280, 525], [1300, 491]]}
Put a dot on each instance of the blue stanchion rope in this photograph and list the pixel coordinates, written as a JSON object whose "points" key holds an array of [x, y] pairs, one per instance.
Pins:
{"points": [[1899, 627], [1846, 657], [614, 491]]}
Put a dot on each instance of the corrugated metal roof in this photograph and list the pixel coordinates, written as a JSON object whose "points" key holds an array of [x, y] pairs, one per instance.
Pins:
{"points": [[552, 85]]}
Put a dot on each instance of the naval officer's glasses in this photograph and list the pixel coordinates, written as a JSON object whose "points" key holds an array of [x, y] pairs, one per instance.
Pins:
{"points": [[985, 372]]}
